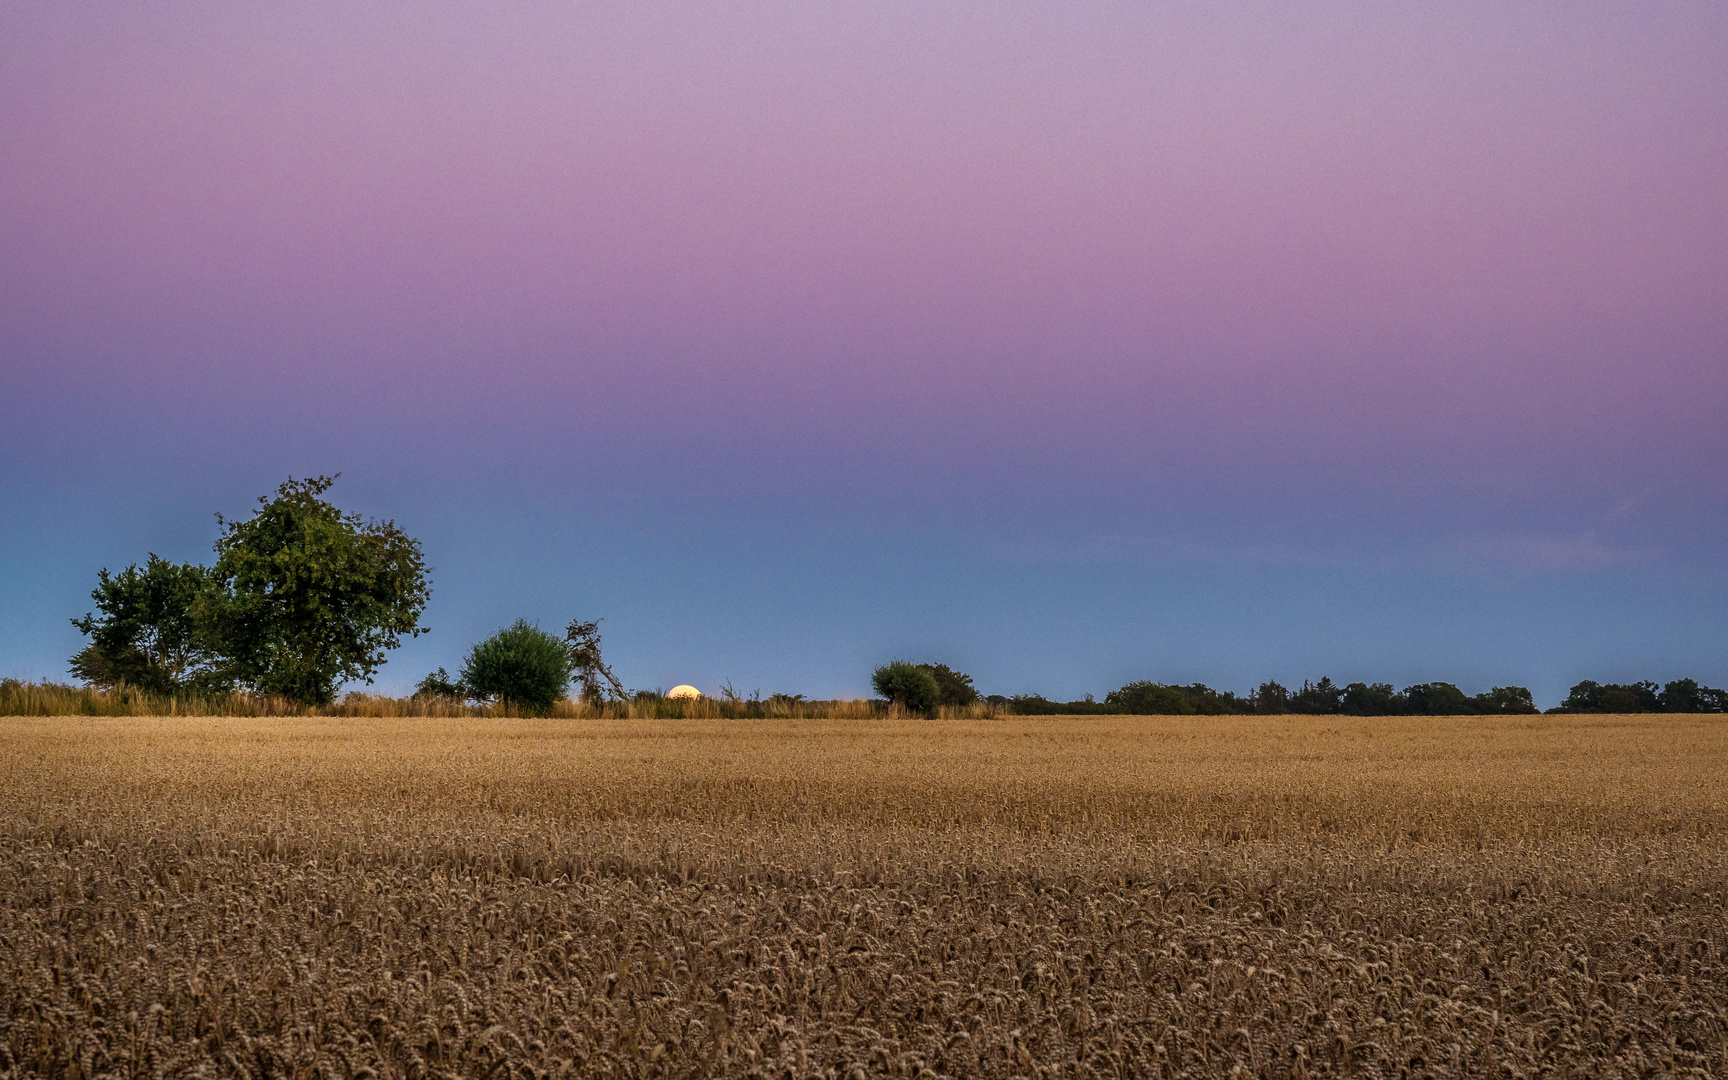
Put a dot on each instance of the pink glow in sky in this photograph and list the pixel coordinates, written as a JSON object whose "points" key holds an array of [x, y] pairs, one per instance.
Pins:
{"points": [[1121, 184]]}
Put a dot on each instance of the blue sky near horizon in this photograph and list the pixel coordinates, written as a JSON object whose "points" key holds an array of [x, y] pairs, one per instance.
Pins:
{"points": [[1067, 345]]}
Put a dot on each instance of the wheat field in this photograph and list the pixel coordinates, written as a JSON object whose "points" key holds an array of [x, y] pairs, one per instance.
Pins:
{"points": [[1097, 896]]}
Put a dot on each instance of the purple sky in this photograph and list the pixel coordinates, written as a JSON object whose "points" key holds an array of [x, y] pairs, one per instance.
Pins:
{"points": [[1069, 344]]}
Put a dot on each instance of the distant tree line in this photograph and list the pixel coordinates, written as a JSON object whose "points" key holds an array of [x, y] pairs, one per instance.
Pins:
{"points": [[922, 687], [1679, 696], [302, 598]]}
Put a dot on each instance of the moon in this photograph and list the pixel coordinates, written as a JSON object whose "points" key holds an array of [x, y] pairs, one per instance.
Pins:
{"points": [[684, 690]]}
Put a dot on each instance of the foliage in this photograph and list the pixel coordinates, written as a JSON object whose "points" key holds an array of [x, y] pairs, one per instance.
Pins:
{"points": [[1038, 705], [148, 635], [1323, 698], [595, 682], [311, 597], [520, 664], [1681, 695], [1270, 699], [1590, 696], [1150, 699], [1505, 699], [1437, 699], [1163, 699], [439, 684], [911, 686], [1370, 699], [952, 687]]}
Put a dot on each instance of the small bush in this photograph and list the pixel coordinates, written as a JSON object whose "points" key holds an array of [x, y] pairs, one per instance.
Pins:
{"points": [[910, 686], [439, 685], [520, 665], [953, 688]]}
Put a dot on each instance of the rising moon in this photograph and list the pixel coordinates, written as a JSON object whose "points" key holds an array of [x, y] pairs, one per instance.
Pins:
{"points": [[684, 690]]}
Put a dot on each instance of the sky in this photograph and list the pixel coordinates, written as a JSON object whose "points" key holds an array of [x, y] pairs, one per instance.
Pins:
{"points": [[1067, 344]]}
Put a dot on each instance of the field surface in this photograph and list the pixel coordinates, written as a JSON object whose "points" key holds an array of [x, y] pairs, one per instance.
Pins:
{"points": [[1100, 896]]}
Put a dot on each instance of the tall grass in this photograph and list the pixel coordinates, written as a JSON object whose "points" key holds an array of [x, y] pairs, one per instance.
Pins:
{"points": [[19, 698]]}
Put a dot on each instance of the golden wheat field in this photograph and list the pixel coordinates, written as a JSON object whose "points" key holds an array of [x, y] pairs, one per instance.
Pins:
{"points": [[1100, 896]]}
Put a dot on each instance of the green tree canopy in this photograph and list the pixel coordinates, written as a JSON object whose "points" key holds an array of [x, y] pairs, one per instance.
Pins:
{"points": [[148, 635], [520, 665], [1437, 699], [439, 684], [1271, 698], [1371, 699], [1590, 696], [1145, 698], [310, 597], [952, 687], [1323, 698], [908, 685], [1506, 699]]}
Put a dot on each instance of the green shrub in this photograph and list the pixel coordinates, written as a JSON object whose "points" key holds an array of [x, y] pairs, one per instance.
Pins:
{"points": [[908, 685], [952, 687], [439, 685], [521, 665]]}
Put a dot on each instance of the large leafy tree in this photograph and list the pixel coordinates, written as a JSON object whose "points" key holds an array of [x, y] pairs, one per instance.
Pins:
{"points": [[308, 597], [148, 634], [520, 665], [908, 685]]}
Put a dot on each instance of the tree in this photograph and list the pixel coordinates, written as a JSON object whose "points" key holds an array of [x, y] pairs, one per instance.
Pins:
{"points": [[311, 597], [908, 685], [1324, 697], [1150, 699], [520, 665], [1209, 702], [952, 687], [1506, 699], [1271, 699], [148, 634], [1594, 697], [594, 679], [439, 684], [1686, 696], [1372, 699], [1680, 695], [1437, 699]]}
